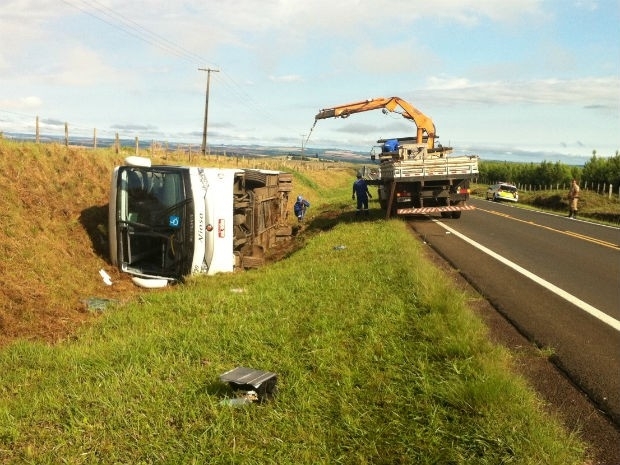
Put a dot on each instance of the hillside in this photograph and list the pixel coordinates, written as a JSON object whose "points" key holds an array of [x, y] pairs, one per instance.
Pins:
{"points": [[54, 239], [54, 208]]}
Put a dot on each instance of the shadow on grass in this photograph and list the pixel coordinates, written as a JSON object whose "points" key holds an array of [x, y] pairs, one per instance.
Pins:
{"points": [[336, 214], [344, 213], [216, 389], [94, 220]]}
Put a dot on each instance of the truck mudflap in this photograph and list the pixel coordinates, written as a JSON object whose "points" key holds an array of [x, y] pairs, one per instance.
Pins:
{"points": [[428, 210]]}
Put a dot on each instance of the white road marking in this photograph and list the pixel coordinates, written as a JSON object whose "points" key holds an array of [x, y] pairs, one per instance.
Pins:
{"points": [[595, 312]]}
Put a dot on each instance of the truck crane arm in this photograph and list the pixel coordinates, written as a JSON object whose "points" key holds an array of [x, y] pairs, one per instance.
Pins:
{"points": [[424, 124]]}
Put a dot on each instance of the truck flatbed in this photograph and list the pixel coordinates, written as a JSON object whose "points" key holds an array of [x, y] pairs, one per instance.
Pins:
{"points": [[423, 169]]}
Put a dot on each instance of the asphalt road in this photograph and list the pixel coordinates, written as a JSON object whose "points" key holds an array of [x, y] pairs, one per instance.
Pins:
{"points": [[556, 279]]}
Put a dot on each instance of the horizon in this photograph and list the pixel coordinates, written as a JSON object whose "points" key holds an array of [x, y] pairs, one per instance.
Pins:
{"points": [[331, 153]]}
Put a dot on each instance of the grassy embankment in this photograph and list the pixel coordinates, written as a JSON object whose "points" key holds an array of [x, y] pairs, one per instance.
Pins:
{"points": [[379, 359]]}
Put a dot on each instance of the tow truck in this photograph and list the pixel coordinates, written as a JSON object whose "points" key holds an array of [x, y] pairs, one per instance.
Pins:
{"points": [[416, 175]]}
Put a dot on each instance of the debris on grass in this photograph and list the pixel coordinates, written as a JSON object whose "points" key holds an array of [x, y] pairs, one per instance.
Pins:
{"points": [[106, 277], [261, 383], [98, 303], [245, 398]]}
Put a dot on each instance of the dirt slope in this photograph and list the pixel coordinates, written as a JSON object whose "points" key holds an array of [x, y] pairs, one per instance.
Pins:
{"points": [[53, 210]]}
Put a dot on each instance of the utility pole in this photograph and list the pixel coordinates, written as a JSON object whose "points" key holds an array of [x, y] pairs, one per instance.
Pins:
{"points": [[204, 130], [302, 146]]}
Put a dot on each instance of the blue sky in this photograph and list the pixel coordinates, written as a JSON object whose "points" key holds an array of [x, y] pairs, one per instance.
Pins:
{"points": [[496, 76]]}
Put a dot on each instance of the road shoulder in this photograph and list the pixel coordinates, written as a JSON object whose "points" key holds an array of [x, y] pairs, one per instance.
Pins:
{"points": [[561, 397]]}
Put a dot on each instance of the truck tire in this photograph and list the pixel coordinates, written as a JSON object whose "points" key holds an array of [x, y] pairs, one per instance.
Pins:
{"points": [[456, 215]]}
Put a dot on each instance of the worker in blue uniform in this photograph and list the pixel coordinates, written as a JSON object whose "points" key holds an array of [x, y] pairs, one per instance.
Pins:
{"points": [[300, 208], [360, 189]]}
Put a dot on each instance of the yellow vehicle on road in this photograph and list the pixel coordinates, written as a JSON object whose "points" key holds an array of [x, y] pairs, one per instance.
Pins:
{"points": [[502, 191]]}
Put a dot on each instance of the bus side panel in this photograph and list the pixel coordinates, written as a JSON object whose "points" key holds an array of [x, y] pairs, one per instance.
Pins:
{"points": [[213, 234]]}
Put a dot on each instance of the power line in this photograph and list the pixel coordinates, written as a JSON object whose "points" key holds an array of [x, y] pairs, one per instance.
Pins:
{"points": [[134, 29]]}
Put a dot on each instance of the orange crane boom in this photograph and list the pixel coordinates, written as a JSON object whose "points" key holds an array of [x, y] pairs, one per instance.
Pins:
{"points": [[424, 124]]}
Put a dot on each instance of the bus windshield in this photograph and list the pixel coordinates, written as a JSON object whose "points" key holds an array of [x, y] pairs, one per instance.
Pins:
{"points": [[152, 221]]}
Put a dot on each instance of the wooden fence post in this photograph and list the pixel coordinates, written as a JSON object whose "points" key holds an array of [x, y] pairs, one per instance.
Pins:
{"points": [[66, 134], [94, 138], [137, 146]]}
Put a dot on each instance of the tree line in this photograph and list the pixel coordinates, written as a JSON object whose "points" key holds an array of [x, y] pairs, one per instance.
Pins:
{"points": [[598, 171]]}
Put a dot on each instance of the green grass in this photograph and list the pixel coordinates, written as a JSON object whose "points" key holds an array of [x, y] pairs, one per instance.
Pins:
{"points": [[379, 361]]}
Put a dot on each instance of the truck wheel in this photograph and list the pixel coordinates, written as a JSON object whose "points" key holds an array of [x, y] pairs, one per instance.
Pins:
{"points": [[446, 214], [456, 215]]}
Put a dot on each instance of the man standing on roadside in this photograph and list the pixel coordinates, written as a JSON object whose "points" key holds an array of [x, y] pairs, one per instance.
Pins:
{"points": [[360, 188], [573, 198]]}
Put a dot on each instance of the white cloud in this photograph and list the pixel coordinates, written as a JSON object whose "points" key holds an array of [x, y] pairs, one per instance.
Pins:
{"points": [[442, 83], [80, 66], [21, 104], [589, 5], [600, 92], [271, 30], [286, 78], [369, 57], [137, 63]]}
